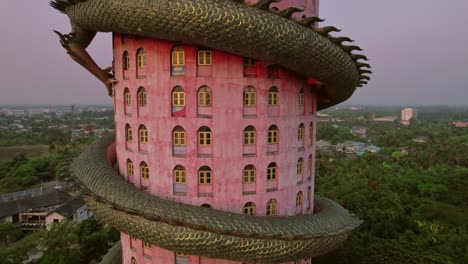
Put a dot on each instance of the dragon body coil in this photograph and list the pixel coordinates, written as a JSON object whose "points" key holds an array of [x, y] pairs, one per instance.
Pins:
{"points": [[248, 30]]}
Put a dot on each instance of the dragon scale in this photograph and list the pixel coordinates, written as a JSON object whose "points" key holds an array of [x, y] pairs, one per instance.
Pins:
{"points": [[252, 31]]}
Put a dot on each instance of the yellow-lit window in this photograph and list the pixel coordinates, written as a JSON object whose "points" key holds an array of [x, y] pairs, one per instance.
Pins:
{"points": [[127, 97], [179, 136], [204, 96], [204, 176], [146, 244], [178, 97], [301, 96], [271, 208], [128, 133], [248, 174], [126, 61], [299, 200], [273, 96], [272, 135], [141, 58], [300, 133], [143, 134], [249, 209], [204, 136], [249, 62], [204, 57], [144, 170], [271, 172], [180, 175], [178, 56], [142, 97], [250, 96], [300, 166], [249, 135], [130, 168]]}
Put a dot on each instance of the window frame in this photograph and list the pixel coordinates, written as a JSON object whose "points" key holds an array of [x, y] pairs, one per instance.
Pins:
{"points": [[249, 136], [249, 208], [177, 56], [204, 137], [178, 97], [249, 174], [144, 170], [179, 136], [142, 97], [141, 58], [204, 57], [128, 133], [127, 97], [205, 176], [204, 96], [301, 99], [130, 168], [272, 172], [250, 96], [143, 134], [179, 175], [125, 61], [273, 96], [272, 208], [272, 135]]}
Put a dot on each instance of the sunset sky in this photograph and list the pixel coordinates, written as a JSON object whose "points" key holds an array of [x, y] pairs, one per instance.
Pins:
{"points": [[418, 50]]}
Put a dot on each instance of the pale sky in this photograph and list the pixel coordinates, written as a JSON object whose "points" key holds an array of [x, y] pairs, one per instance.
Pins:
{"points": [[418, 50]]}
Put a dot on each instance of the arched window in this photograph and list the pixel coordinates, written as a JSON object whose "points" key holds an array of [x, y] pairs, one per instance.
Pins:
{"points": [[310, 165], [143, 133], [204, 96], [249, 209], [309, 197], [141, 58], [134, 261], [204, 175], [301, 96], [273, 135], [178, 97], [249, 135], [127, 97], [126, 60], [144, 170], [146, 245], [248, 174], [204, 136], [299, 199], [300, 132], [271, 172], [179, 136], [180, 175], [204, 57], [273, 96], [250, 96], [300, 166], [178, 56], [128, 133], [130, 168], [142, 97], [271, 208], [311, 133]]}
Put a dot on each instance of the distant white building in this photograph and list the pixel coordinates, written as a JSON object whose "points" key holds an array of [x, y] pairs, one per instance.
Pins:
{"points": [[407, 114]]}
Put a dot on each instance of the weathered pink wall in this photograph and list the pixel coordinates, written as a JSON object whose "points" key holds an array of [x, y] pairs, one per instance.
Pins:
{"points": [[226, 79]]}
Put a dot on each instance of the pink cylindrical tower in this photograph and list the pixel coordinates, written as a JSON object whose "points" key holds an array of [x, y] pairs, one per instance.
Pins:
{"points": [[208, 128]]}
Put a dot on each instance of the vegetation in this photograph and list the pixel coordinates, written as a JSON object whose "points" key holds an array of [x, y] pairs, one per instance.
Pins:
{"points": [[412, 196], [64, 243]]}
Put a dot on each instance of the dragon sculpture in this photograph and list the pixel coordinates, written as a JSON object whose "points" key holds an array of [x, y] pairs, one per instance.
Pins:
{"points": [[249, 30]]}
